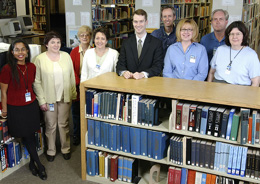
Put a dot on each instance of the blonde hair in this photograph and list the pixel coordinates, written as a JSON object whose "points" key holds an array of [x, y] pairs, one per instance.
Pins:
{"points": [[194, 27], [83, 29]]}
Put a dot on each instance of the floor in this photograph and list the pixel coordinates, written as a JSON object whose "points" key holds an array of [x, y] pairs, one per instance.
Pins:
{"points": [[58, 171]]}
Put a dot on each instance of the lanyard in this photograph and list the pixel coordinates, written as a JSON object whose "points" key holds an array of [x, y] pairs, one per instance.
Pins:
{"points": [[229, 65], [26, 83]]}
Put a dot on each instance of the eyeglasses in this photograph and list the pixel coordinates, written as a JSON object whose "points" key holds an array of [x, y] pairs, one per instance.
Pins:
{"points": [[83, 35], [188, 30], [20, 50], [235, 34]]}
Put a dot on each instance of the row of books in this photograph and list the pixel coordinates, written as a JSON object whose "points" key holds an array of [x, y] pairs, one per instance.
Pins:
{"points": [[176, 150], [112, 167], [39, 25], [39, 10], [253, 164], [112, 13], [204, 22], [132, 140], [179, 10], [135, 109], [39, 19], [113, 2], [218, 156], [183, 176], [217, 121], [11, 154], [39, 2], [4, 135]]}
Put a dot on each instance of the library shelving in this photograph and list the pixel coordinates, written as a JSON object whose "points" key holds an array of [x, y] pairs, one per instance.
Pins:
{"points": [[250, 16], [19, 157], [176, 89], [200, 11], [40, 15], [117, 16]]}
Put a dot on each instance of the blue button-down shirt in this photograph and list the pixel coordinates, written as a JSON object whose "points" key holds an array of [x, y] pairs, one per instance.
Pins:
{"points": [[166, 39], [192, 64], [211, 43]]}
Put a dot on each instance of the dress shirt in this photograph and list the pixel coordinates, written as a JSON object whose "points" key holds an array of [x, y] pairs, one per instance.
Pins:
{"points": [[192, 64]]}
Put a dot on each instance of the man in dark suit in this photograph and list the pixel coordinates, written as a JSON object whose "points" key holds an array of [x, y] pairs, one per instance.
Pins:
{"points": [[141, 56]]}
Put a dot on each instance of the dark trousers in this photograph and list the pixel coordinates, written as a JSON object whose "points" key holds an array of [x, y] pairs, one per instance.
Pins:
{"points": [[75, 108]]}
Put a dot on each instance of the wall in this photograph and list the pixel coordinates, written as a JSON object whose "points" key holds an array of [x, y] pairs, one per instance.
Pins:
{"points": [[21, 10], [153, 12], [234, 10], [77, 10]]}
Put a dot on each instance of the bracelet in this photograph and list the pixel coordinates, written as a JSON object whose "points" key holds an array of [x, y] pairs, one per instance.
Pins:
{"points": [[4, 117]]}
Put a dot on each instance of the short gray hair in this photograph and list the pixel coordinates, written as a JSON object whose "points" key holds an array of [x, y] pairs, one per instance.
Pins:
{"points": [[221, 10]]}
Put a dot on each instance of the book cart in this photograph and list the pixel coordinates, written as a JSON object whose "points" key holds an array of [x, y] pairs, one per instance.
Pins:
{"points": [[193, 91]]}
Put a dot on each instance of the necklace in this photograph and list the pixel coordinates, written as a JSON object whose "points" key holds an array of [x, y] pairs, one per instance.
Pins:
{"points": [[23, 72]]}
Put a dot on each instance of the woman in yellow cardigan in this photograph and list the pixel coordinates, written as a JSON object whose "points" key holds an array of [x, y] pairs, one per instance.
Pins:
{"points": [[55, 89]]}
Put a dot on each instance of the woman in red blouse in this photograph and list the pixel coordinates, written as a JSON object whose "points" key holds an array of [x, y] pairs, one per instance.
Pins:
{"points": [[19, 104], [77, 54]]}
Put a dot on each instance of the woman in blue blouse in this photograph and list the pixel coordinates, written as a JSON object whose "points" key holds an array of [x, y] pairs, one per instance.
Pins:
{"points": [[186, 59]]}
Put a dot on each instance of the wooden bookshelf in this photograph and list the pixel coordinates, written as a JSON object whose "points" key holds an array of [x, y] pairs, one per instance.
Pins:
{"points": [[116, 16], [200, 11], [40, 15], [194, 91], [250, 16]]}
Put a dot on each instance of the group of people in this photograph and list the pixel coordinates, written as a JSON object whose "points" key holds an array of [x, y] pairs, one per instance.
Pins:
{"points": [[51, 84]]}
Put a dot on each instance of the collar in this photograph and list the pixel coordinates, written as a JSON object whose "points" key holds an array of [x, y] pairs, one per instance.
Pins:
{"points": [[143, 38], [173, 30], [81, 50], [213, 37]]}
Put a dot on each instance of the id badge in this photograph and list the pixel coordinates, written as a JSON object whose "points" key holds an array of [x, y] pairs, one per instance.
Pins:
{"points": [[98, 66], [51, 106], [28, 97], [227, 71], [192, 59]]}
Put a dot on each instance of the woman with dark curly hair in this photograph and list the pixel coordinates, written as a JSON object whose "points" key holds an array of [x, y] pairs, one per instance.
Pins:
{"points": [[55, 89], [235, 62], [19, 101], [100, 59]]}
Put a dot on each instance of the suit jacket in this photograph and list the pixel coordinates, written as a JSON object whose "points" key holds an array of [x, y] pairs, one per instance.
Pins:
{"points": [[150, 61]]}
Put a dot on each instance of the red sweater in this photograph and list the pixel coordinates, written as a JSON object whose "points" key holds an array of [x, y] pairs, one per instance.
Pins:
{"points": [[75, 56]]}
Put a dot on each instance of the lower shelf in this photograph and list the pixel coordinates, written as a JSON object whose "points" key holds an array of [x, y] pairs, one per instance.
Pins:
{"points": [[16, 167]]}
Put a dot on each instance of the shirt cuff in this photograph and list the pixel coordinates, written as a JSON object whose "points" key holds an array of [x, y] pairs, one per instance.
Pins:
{"points": [[122, 72], [146, 75]]}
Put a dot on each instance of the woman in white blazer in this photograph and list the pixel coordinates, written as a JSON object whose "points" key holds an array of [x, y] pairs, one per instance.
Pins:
{"points": [[100, 59]]}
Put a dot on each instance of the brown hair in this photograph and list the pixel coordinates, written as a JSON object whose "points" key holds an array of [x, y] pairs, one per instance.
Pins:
{"points": [[141, 12], [50, 35]]}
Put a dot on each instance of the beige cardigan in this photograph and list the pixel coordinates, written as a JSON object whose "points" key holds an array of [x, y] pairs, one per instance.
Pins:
{"points": [[44, 81]]}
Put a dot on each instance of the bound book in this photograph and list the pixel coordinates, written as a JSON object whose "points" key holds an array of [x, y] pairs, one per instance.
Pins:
{"points": [[192, 117], [218, 121], [230, 121], [224, 123], [198, 118], [160, 145], [244, 125], [185, 116], [179, 107], [114, 168], [204, 119], [211, 120], [235, 126]]}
